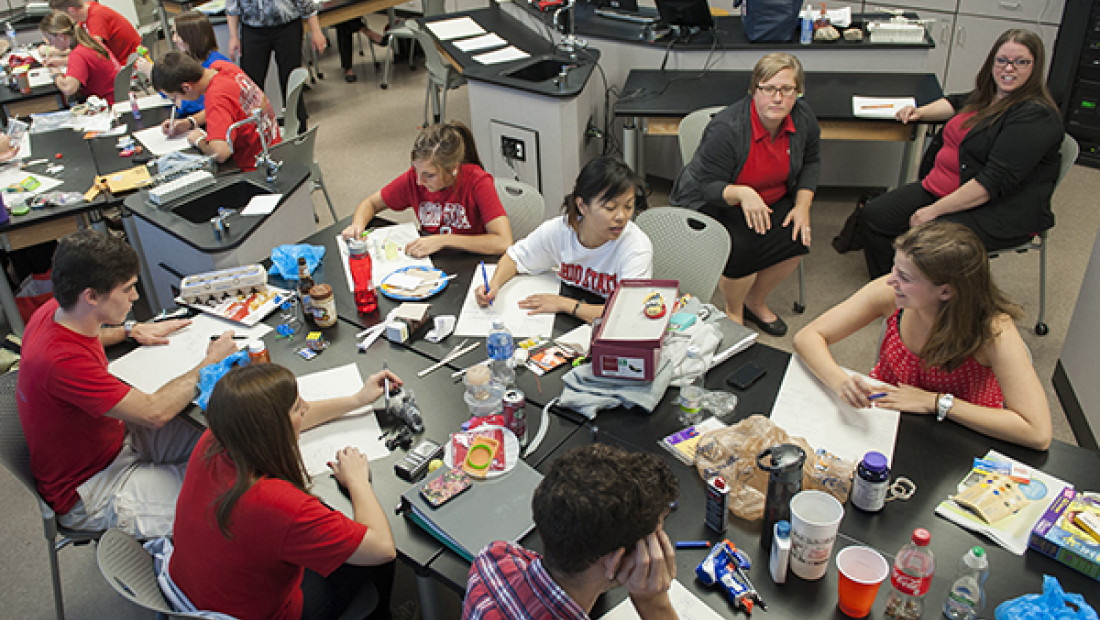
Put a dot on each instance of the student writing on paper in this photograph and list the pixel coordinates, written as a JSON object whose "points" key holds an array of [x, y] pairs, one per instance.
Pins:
{"points": [[250, 540], [994, 165], [756, 171], [91, 67], [593, 245], [105, 24], [455, 200], [599, 512], [193, 34], [103, 454], [950, 347], [230, 96]]}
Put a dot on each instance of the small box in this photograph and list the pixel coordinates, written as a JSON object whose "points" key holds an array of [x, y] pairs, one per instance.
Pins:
{"points": [[627, 343], [1058, 535]]}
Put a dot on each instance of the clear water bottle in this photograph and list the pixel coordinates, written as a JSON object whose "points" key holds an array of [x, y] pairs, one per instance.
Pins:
{"points": [[501, 348], [11, 37], [694, 370], [966, 598], [911, 577]]}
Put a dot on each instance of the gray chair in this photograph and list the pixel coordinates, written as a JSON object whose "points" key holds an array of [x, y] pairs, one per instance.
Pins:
{"points": [[441, 77], [16, 458], [299, 150], [524, 205], [690, 135], [403, 31], [295, 84], [1038, 241], [673, 230], [124, 79]]}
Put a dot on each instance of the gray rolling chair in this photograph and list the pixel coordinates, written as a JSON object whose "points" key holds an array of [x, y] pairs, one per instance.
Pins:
{"points": [[441, 77], [1038, 241], [295, 84], [299, 150], [523, 204], [674, 229], [403, 31], [124, 78], [16, 458], [690, 135]]}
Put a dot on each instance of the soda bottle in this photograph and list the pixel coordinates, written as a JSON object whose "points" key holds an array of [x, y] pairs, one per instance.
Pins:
{"points": [[911, 577], [359, 261], [693, 370], [501, 348], [966, 597]]}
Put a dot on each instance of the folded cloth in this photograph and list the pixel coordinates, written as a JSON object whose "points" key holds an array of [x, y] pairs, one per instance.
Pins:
{"points": [[161, 550], [284, 259]]}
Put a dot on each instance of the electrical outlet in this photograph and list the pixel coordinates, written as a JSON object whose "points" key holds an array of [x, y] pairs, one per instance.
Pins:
{"points": [[513, 148]]}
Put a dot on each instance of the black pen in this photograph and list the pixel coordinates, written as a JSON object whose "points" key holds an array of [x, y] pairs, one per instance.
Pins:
{"points": [[214, 337]]}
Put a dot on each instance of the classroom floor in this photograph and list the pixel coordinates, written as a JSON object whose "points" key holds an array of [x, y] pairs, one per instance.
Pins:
{"points": [[364, 140]]}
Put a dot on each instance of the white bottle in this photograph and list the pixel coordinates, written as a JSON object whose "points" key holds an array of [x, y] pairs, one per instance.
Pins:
{"points": [[693, 371], [781, 551], [966, 597], [501, 349], [11, 38]]}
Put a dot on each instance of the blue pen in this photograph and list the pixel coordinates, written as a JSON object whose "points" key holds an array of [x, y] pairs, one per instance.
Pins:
{"points": [[692, 544], [876, 395], [485, 277]]}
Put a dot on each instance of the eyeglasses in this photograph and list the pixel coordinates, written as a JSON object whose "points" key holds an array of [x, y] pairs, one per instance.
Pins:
{"points": [[1019, 63], [770, 90]]}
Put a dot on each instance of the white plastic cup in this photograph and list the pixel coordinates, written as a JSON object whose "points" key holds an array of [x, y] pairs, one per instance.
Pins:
{"points": [[815, 520]]}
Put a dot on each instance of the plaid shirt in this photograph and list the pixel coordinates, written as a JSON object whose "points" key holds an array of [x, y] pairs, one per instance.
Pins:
{"points": [[509, 582]]}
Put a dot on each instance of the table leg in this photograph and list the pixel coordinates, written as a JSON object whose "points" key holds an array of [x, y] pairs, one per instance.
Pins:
{"points": [[630, 143], [910, 161], [425, 587]]}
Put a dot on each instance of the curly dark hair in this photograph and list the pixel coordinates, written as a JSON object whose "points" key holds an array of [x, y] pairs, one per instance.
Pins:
{"points": [[597, 499]]}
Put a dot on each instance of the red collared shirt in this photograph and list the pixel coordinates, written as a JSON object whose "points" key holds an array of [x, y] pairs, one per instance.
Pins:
{"points": [[769, 163]]}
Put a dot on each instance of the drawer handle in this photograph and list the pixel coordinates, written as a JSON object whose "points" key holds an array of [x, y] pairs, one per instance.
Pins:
{"points": [[1012, 6]]}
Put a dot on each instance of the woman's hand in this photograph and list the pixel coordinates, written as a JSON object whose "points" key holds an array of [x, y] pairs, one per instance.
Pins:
{"points": [[546, 304], [908, 114], [424, 246], [908, 399], [854, 391], [922, 215], [649, 570], [233, 50], [482, 298], [799, 220], [757, 213], [350, 467], [375, 385], [353, 231]]}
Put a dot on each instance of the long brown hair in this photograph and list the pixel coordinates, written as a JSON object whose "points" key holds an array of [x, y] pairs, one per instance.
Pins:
{"points": [[197, 32], [446, 146], [981, 101], [950, 253], [249, 416], [58, 23]]}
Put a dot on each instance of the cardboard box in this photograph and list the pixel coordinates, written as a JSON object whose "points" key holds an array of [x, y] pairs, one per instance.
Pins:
{"points": [[1058, 536], [627, 343]]}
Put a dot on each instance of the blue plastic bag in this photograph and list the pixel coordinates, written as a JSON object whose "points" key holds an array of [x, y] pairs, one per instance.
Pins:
{"points": [[210, 375], [1053, 604], [284, 259]]}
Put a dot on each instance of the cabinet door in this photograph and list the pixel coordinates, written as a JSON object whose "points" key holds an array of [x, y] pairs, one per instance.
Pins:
{"points": [[973, 38], [920, 6], [941, 30], [1043, 11]]}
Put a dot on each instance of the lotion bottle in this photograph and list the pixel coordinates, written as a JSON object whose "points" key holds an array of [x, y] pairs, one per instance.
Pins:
{"points": [[781, 551]]}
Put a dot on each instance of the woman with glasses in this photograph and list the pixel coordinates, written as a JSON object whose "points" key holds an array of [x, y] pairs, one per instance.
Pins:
{"points": [[994, 165], [756, 171]]}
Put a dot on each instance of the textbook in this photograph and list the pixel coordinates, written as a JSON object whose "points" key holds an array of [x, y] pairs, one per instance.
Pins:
{"points": [[1068, 532], [493, 509]]}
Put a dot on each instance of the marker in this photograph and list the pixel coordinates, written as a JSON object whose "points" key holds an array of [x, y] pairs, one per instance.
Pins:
{"points": [[876, 395], [172, 120], [214, 337], [692, 544], [485, 277]]}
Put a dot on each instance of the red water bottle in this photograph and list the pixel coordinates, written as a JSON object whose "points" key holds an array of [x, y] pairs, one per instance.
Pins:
{"points": [[911, 578], [360, 263]]}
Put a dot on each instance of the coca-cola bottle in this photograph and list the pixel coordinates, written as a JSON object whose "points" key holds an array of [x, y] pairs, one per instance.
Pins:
{"points": [[911, 577]]}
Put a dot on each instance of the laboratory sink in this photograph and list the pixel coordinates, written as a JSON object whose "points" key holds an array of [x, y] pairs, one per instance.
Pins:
{"points": [[199, 209], [541, 70]]}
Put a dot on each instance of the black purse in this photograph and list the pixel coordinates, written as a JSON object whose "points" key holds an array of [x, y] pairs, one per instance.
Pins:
{"points": [[850, 238]]}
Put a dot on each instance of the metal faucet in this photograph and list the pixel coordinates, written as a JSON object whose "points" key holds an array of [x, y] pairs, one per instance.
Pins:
{"points": [[569, 43], [219, 223], [264, 158]]}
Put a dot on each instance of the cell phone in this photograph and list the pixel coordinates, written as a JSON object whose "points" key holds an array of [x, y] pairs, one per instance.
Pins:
{"points": [[745, 376], [441, 490], [416, 460]]}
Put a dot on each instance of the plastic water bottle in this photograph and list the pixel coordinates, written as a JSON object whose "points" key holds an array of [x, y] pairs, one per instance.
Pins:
{"points": [[911, 577], [694, 370], [501, 348], [966, 597], [806, 26], [359, 261], [11, 37]]}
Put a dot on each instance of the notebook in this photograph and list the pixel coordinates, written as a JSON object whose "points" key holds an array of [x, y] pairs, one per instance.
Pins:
{"points": [[494, 509], [735, 339]]}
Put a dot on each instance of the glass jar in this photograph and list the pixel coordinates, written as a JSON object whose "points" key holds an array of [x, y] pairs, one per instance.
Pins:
{"points": [[323, 305]]}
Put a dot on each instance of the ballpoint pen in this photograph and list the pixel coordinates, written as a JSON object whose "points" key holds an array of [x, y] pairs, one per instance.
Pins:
{"points": [[485, 277]]}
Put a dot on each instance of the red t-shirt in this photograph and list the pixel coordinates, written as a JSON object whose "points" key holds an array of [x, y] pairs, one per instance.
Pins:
{"points": [[64, 390], [110, 27], [944, 177], [769, 162], [278, 531], [461, 209], [95, 73], [230, 97]]}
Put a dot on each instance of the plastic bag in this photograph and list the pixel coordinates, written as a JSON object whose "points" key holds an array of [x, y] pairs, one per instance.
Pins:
{"points": [[284, 259], [35, 290], [731, 453], [210, 374], [1053, 604]]}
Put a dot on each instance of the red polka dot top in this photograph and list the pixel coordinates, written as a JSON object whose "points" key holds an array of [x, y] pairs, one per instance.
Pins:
{"points": [[971, 382]]}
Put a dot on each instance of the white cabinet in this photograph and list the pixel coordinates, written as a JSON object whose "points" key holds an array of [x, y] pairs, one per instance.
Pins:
{"points": [[973, 38], [941, 30]]}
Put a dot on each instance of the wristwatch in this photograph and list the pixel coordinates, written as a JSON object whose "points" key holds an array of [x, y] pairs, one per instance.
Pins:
{"points": [[944, 404], [128, 328]]}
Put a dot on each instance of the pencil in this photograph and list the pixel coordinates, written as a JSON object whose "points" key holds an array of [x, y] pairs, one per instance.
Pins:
{"points": [[877, 106]]}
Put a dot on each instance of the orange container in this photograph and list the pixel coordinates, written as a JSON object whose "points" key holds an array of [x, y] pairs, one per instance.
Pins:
{"points": [[861, 570]]}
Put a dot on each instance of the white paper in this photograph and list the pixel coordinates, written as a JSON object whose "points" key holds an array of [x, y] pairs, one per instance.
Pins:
{"points": [[404, 281], [502, 55], [14, 176], [39, 77], [97, 122], [144, 103], [159, 144], [387, 252], [358, 428], [687, 606], [477, 321], [879, 107], [483, 42], [262, 204], [149, 368], [806, 408], [456, 28]]}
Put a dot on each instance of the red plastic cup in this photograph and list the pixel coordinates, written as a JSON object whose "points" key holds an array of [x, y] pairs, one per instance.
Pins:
{"points": [[861, 571]]}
